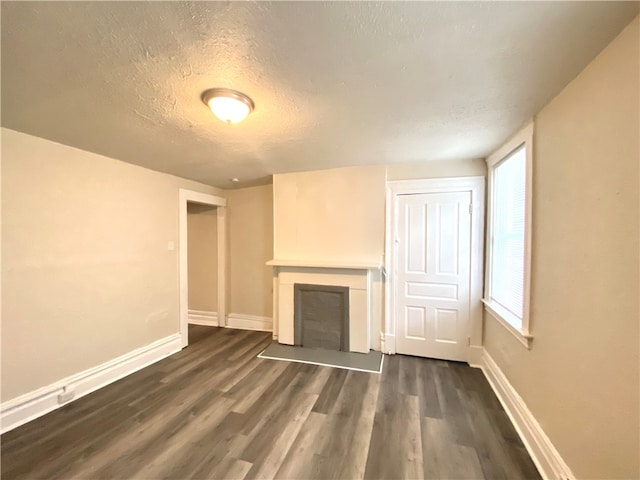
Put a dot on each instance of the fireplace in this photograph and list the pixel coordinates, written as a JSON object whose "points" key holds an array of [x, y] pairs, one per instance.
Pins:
{"points": [[321, 316], [362, 300]]}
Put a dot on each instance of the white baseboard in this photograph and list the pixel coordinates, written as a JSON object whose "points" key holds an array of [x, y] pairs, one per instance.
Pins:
{"points": [[27, 407], [387, 343], [249, 322], [475, 356], [202, 317], [549, 462]]}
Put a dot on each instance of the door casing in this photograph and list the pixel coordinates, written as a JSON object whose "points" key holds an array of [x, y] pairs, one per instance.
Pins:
{"points": [[185, 196], [474, 185]]}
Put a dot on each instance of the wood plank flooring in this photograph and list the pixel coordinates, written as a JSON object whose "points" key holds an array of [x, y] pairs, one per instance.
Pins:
{"points": [[214, 410]]}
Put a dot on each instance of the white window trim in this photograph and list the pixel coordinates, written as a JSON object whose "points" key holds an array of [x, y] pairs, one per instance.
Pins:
{"points": [[523, 137]]}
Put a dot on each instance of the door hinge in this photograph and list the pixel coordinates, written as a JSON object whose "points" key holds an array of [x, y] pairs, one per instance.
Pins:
{"points": [[470, 208], [468, 341]]}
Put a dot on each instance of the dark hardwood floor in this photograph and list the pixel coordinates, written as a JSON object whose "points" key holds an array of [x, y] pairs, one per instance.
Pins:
{"points": [[214, 410]]}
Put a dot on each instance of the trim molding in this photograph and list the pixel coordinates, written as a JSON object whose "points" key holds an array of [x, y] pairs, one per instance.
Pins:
{"points": [[34, 404], [474, 358], [543, 453], [249, 322], [388, 343], [203, 317], [500, 315]]}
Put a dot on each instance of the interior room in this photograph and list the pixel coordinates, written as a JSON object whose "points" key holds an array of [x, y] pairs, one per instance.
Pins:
{"points": [[320, 240]]}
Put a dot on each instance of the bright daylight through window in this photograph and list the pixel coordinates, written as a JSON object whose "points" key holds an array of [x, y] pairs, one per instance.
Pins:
{"points": [[508, 233], [507, 260]]}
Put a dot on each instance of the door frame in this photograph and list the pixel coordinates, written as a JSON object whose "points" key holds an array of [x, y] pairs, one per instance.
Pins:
{"points": [[474, 185], [185, 196]]}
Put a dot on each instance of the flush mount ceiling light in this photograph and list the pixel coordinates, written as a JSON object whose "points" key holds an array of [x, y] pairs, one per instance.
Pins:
{"points": [[228, 105]]}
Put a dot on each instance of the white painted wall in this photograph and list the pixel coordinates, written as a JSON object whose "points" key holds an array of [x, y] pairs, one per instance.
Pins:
{"points": [[87, 275], [331, 215], [580, 379]]}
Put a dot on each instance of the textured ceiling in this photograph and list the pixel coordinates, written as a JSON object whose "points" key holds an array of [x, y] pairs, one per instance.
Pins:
{"points": [[334, 84]]}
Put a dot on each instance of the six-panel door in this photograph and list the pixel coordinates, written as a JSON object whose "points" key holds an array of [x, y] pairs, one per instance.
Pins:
{"points": [[433, 268]]}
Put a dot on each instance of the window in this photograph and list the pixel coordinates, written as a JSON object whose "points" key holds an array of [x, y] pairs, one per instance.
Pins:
{"points": [[508, 234]]}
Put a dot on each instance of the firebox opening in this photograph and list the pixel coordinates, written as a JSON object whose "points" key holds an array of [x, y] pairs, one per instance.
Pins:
{"points": [[321, 316]]}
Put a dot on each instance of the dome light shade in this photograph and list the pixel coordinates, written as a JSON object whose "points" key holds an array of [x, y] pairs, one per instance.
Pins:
{"points": [[228, 105]]}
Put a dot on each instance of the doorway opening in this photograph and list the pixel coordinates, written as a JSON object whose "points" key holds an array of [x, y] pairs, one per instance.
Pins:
{"points": [[202, 265], [204, 216]]}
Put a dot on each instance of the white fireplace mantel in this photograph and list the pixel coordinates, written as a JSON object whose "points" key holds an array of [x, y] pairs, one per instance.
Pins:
{"points": [[350, 265], [357, 276]]}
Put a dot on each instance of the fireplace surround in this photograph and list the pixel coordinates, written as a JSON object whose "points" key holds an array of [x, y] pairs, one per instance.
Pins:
{"points": [[363, 301]]}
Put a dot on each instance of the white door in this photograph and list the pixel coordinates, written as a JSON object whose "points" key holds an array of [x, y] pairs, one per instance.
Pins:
{"points": [[433, 280]]}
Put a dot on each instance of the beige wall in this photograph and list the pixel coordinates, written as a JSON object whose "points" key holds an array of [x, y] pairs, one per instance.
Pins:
{"points": [[86, 270], [580, 378], [330, 215], [202, 254], [437, 169], [250, 246]]}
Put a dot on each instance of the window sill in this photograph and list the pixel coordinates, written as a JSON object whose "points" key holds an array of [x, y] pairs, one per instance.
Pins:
{"points": [[501, 315]]}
